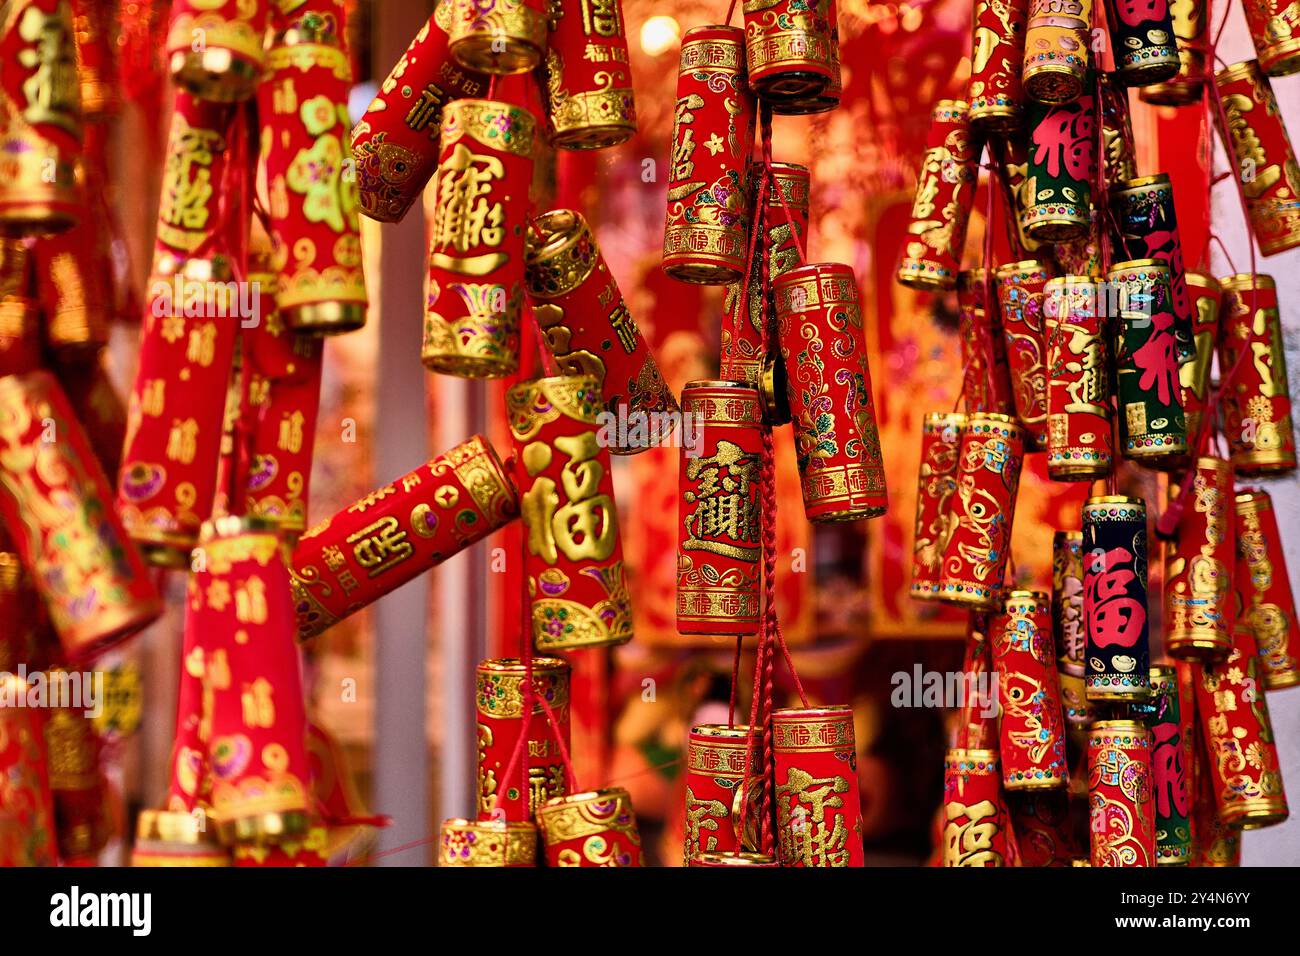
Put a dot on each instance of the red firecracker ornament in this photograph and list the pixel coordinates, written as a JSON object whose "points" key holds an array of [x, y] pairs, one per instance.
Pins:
{"points": [[589, 76], [476, 249], [1079, 445], [190, 200], [975, 823], [1021, 292], [27, 835], [941, 435], [818, 805], [1267, 607], [707, 229], [593, 829], [1203, 293], [487, 843], [1121, 816], [1275, 29], [985, 383], [791, 49], [1057, 40], [997, 98], [1199, 596], [215, 47], [497, 36], [715, 771], [1068, 625], [399, 531]]}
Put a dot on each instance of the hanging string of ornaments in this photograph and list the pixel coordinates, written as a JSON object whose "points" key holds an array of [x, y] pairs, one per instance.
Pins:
{"points": [[1099, 351]]}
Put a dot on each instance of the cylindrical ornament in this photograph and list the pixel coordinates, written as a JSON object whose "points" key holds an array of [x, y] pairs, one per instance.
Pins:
{"points": [[399, 531], [257, 748], [487, 843], [1068, 628], [819, 325], [1187, 85], [1275, 29], [190, 198], [829, 98], [1253, 379], [499, 702], [936, 486], [1062, 154], [176, 412], [1169, 772], [707, 229], [27, 836], [1203, 293], [395, 144], [174, 838], [818, 805], [997, 98], [1243, 763], [1146, 227], [718, 529], [1079, 446], [988, 475], [587, 328], [76, 781], [315, 232], [715, 774], [1021, 289], [41, 190], [597, 828], [743, 356], [1040, 820], [732, 859], [589, 76], [1143, 41], [574, 560], [790, 50], [56, 503], [476, 249], [1199, 595], [1120, 816], [1057, 41], [986, 383], [1260, 144], [1115, 598], [498, 36], [214, 47], [1152, 426], [974, 817], [945, 193], [1268, 607], [1031, 731], [280, 391]]}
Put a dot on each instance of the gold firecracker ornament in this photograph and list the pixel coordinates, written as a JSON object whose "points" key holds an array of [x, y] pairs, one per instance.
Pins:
{"points": [[498, 36]]}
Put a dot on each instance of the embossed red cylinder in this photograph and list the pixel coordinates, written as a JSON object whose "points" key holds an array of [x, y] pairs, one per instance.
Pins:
{"points": [[819, 326], [20, 316], [986, 383], [1203, 293], [573, 559], [315, 232], [791, 48], [732, 859], [1261, 577], [487, 843], [786, 206], [1244, 771], [1021, 289], [1079, 444], [715, 771], [997, 97], [176, 411], [476, 246], [1068, 625], [1121, 814], [936, 486], [398, 531], [1275, 30], [257, 748], [498, 36], [1031, 730], [818, 804], [41, 191], [214, 47], [988, 475], [593, 829], [586, 326], [718, 529], [975, 821], [1256, 397], [945, 193], [76, 781], [1200, 603], [977, 727], [190, 199], [395, 144], [56, 503], [1260, 144], [706, 233], [27, 836], [589, 98], [499, 705]]}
